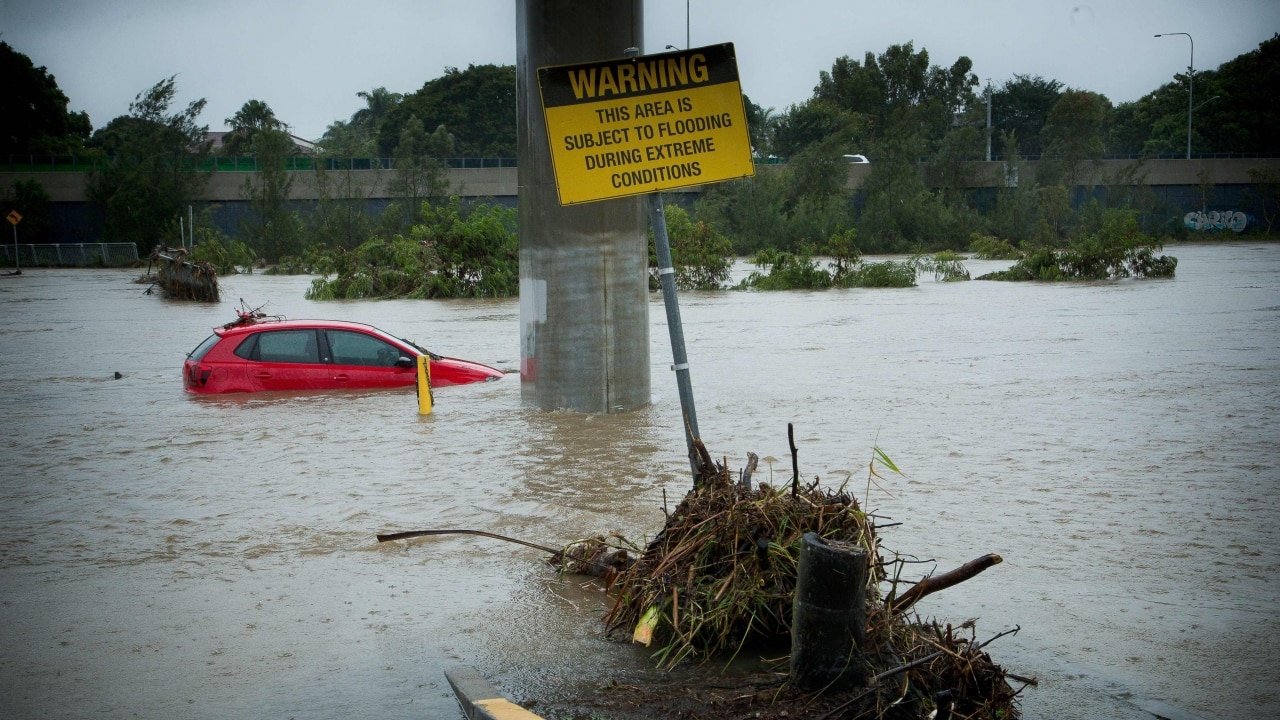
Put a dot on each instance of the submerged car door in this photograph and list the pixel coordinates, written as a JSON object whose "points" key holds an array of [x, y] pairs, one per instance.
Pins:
{"points": [[286, 360], [366, 361]]}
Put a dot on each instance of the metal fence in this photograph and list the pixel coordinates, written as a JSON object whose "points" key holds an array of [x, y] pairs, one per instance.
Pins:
{"points": [[71, 255], [70, 163]]}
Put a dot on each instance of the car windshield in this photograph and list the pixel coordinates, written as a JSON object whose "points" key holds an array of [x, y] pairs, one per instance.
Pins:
{"points": [[203, 348]]}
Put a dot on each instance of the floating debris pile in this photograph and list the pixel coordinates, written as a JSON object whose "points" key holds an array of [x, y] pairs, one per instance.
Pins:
{"points": [[721, 576], [179, 278]]}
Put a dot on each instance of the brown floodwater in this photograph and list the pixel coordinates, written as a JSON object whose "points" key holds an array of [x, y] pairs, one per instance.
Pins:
{"points": [[165, 556]]}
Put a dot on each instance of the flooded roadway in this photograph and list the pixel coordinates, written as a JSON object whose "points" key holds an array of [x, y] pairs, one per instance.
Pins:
{"points": [[164, 555]]}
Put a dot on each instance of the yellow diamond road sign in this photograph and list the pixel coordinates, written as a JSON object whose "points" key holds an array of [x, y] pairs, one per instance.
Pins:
{"points": [[645, 124], [13, 217]]}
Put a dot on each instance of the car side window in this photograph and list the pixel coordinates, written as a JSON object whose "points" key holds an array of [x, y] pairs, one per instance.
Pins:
{"points": [[354, 348], [286, 346]]}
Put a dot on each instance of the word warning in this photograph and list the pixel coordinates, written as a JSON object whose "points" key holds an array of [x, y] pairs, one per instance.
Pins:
{"points": [[645, 124]]}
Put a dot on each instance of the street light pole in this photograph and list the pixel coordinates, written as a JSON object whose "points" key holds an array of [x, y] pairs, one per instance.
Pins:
{"points": [[988, 119], [1191, 73]]}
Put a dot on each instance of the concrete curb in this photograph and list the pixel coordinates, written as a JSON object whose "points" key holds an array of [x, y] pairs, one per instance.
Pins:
{"points": [[479, 700]]}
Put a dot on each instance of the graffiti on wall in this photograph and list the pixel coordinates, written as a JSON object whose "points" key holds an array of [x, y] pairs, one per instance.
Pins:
{"points": [[1215, 221]]}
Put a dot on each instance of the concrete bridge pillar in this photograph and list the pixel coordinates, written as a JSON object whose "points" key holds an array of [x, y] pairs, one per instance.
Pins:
{"points": [[584, 296]]}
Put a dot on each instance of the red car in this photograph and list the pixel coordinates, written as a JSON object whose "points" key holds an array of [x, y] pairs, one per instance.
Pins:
{"points": [[255, 353]]}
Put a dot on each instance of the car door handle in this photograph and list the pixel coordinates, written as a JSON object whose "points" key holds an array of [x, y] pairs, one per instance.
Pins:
{"points": [[340, 378], [262, 375]]}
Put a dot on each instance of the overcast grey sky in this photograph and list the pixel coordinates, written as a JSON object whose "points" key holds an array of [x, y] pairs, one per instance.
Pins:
{"points": [[307, 60]]}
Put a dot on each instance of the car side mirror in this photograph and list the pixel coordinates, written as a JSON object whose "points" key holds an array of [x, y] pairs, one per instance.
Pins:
{"points": [[404, 362]]}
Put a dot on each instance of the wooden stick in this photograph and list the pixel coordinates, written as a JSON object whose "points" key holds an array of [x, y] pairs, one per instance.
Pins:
{"points": [[795, 463], [705, 463], [420, 533], [934, 583], [744, 480]]}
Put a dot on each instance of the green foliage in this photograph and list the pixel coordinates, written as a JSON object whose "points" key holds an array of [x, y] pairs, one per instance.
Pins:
{"points": [[420, 169], [902, 215], [33, 110], [846, 269], [1020, 109], [252, 117], [358, 137], [35, 204], [786, 271], [1075, 132], [750, 212], [314, 260], [946, 266], [1232, 110], [478, 105], [274, 229], [884, 274], [228, 257], [701, 256], [762, 123], [339, 218], [1266, 191], [150, 179], [1109, 246], [844, 254], [805, 124], [987, 247], [452, 253], [478, 251]]}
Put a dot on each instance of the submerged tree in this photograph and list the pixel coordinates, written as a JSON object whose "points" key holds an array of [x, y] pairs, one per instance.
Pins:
{"points": [[1109, 245], [453, 252]]}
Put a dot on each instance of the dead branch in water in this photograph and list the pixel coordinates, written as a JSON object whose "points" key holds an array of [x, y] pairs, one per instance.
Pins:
{"points": [[422, 533], [934, 583]]}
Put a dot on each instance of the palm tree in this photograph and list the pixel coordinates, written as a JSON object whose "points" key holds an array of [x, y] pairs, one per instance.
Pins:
{"points": [[379, 104], [253, 117]]}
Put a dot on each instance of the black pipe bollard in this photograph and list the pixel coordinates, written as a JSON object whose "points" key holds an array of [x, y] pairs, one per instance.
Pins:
{"points": [[829, 616]]}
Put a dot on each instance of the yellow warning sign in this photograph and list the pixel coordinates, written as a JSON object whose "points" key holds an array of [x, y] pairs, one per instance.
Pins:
{"points": [[645, 124], [14, 217]]}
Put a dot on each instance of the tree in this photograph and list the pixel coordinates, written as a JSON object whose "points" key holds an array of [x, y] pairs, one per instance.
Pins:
{"points": [[274, 230], [151, 178], [252, 117], [812, 121], [33, 110], [749, 211], [478, 105], [1021, 108], [358, 137], [379, 103], [701, 257], [1074, 134], [761, 124], [1266, 192], [1246, 114], [900, 91], [420, 172], [35, 204]]}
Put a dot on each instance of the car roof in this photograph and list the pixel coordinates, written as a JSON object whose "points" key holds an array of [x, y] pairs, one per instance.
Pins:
{"points": [[276, 324]]}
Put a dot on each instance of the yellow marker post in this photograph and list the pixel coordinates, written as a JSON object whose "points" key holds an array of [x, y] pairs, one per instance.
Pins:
{"points": [[424, 385]]}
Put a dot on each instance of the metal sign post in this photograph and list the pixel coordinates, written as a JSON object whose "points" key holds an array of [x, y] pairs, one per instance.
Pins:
{"points": [[680, 362], [14, 217]]}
